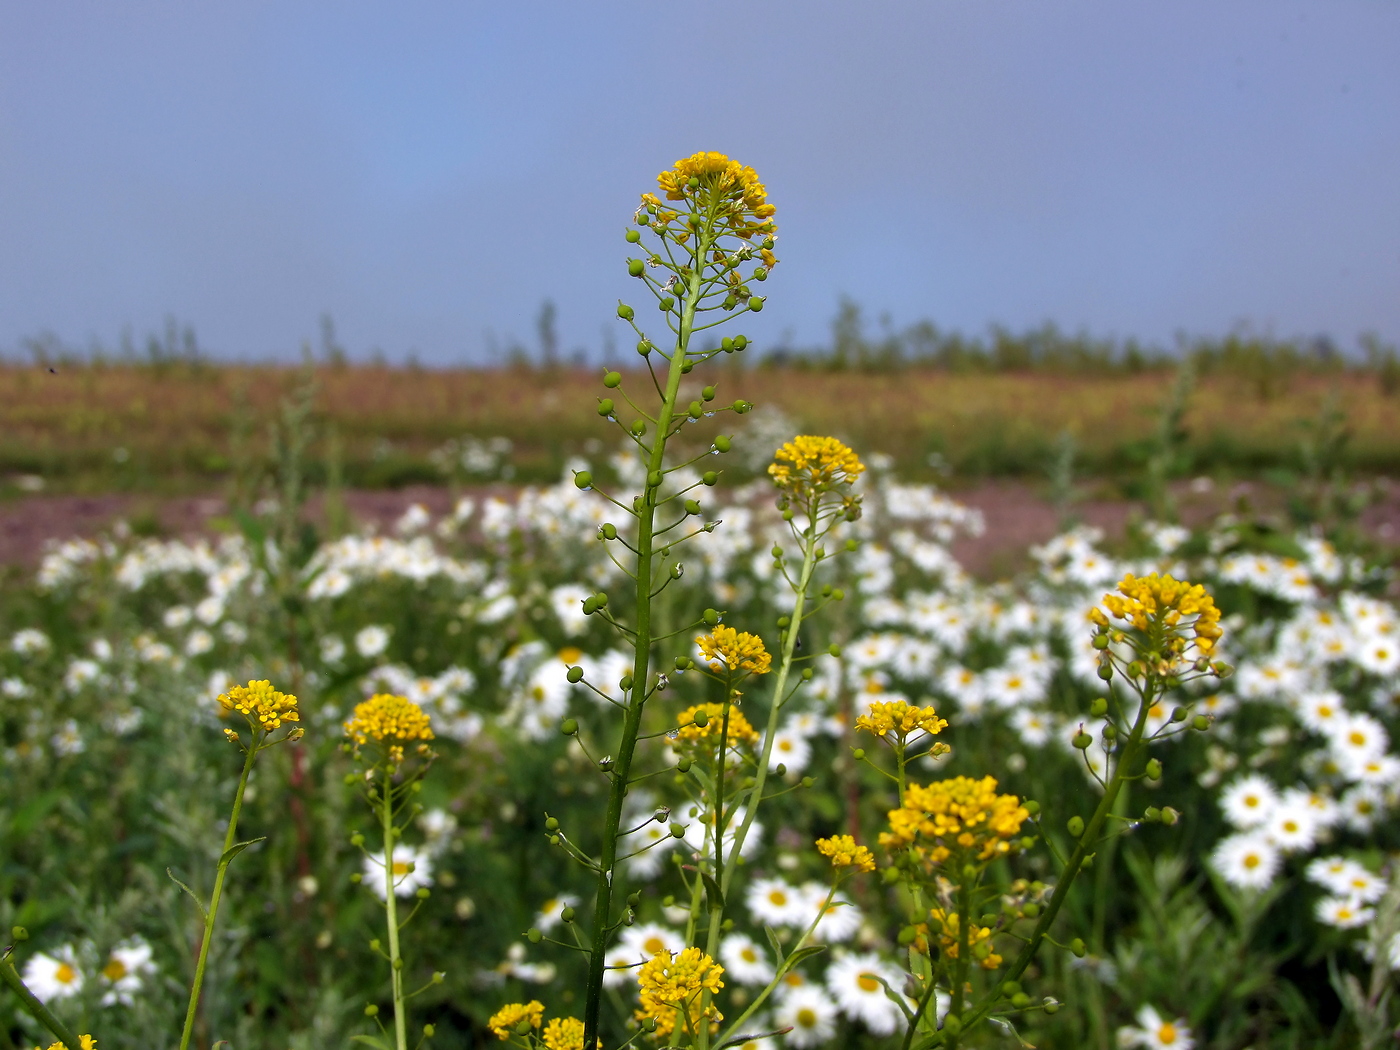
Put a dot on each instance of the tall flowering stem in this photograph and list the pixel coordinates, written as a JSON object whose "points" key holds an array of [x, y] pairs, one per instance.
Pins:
{"points": [[713, 235], [266, 711], [378, 733]]}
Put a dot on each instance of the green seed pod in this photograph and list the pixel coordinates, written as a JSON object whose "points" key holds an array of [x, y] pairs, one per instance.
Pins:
{"points": [[1152, 814], [723, 442], [1082, 740], [1099, 707], [625, 312], [567, 914], [608, 531], [423, 893], [1089, 861], [523, 1028], [357, 840], [708, 394], [890, 876], [355, 877], [908, 935], [677, 571], [1020, 1000], [635, 267], [1028, 842], [1105, 670], [645, 347], [666, 305], [760, 274], [1136, 669], [743, 407], [533, 935], [807, 674], [625, 683], [808, 781], [18, 934], [709, 478], [1170, 816], [1030, 909], [1100, 641], [768, 243], [756, 303], [590, 605], [1075, 825], [574, 674], [687, 366], [569, 726], [711, 617], [638, 427], [605, 407], [727, 345], [633, 236], [1179, 714], [1110, 731], [601, 599], [833, 649], [1200, 722], [428, 1030], [1007, 987], [777, 553], [740, 342], [612, 379], [692, 506], [551, 824], [677, 828], [858, 754], [654, 478], [683, 765], [952, 1025], [583, 479], [371, 1010], [1031, 806], [696, 410], [1051, 1007], [1077, 947], [702, 719], [1154, 769], [350, 778]]}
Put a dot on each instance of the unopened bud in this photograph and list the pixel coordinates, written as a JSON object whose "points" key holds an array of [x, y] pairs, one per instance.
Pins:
{"points": [[1170, 816], [612, 379], [371, 1010], [18, 934], [1099, 707], [1082, 740], [574, 674], [583, 479], [569, 726], [1075, 826], [1200, 722], [533, 935], [625, 312], [1154, 769], [1077, 947]]}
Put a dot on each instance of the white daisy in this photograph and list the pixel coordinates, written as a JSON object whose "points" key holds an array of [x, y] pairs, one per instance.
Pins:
{"points": [[412, 870], [772, 902], [1361, 805], [790, 749], [1246, 861], [744, 961], [839, 921], [1345, 913], [809, 1012], [53, 976], [1290, 827], [1155, 1033], [129, 963], [1320, 711], [1249, 801], [549, 915], [639, 943], [371, 641], [854, 981], [1033, 726]]}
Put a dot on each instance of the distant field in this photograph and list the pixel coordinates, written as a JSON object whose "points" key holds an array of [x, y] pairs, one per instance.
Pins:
{"points": [[185, 428]]}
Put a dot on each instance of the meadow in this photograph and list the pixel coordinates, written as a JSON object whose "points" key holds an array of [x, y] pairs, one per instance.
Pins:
{"points": [[691, 730]]}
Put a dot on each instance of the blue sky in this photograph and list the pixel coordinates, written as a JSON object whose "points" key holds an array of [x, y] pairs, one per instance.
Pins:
{"points": [[428, 173]]}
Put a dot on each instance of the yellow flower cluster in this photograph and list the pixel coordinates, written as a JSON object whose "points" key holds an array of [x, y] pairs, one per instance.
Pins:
{"points": [[845, 853], [264, 707], [740, 731], [901, 719], [737, 650], [386, 717], [959, 813], [950, 926], [730, 190], [671, 984], [505, 1020], [809, 466], [564, 1033], [1159, 603], [86, 1042]]}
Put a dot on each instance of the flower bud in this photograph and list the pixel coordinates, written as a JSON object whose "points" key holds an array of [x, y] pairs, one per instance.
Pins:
{"points": [[709, 478], [644, 347], [371, 1010], [605, 406], [583, 479], [18, 934], [574, 674], [741, 406], [635, 267], [608, 531], [711, 617], [666, 305], [1099, 707], [1082, 740], [533, 935], [1200, 722], [569, 726], [1170, 816], [723, 443], [756, 303], [708, 394], [1077, 947], [1075, 825], [1105, 670], [612, 379], [1154, 769], [625, 312], [1031, 806]]}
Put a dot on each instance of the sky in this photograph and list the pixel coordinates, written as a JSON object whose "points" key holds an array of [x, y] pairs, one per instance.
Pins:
{"points": [[427, 174]]}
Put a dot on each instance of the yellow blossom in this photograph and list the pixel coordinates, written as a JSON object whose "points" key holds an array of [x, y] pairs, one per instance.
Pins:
{"points": [[900, 718], [740, 731], [384, 717], [564, 1033], [845, 853], [814, 464], [672, 985], [950, 927], [737, 650], [727, 189], [264, 707], [1157, 605], [505, 1020], [959, 814], [85, 1042]]}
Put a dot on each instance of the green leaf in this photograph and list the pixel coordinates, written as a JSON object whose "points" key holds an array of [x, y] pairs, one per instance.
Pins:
{"points": [[773, 942], [198, 903], [803, 954], [712, 893], [371, 1040], [237, 848]]}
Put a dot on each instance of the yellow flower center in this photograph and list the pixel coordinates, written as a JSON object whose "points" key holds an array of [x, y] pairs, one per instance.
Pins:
{"points": [[1251, 801], [1167, 1034], [749, 955], [867, 983], [65, 974], [777, 897], [806, 1017], [1252, 861], [115, 969], [402, 867], [654, 945]]}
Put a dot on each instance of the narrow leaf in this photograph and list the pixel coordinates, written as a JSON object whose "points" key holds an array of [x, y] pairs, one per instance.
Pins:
{"points": [[198, 903], [712, 893], [773, 941], [237, 848]]}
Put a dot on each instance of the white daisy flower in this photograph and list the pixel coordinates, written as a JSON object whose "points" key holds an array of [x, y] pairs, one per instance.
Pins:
{"points": [[1345, 913], [1291, 827], [371, 641], [790, 749], [53, 976], [412, 870], [1249, 801], [549, 916], [1155, 1033], [639, 943], [854, 981], [744, 961], [1334, 873], [809, 1012], [129, 963], [1360, 806], [1247, 861], [772, 902]]}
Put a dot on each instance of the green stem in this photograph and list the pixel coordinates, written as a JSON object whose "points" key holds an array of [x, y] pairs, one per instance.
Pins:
{"points": [[641, 663], [799, 604], [230, 837], [36, 1009], [1076, 859], [391, 911]]}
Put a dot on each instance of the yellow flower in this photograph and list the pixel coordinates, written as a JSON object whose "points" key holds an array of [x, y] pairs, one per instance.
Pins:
{"points": [[505, 1020], [564, 1033], [845, 853], [900, 718], [85, 1042], [739, 650], [1157, 605], [384, 717], [951, 926], [264, 707], [728, 189], [740, 731], [959, 814], [673, 984], [808, 466]]}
